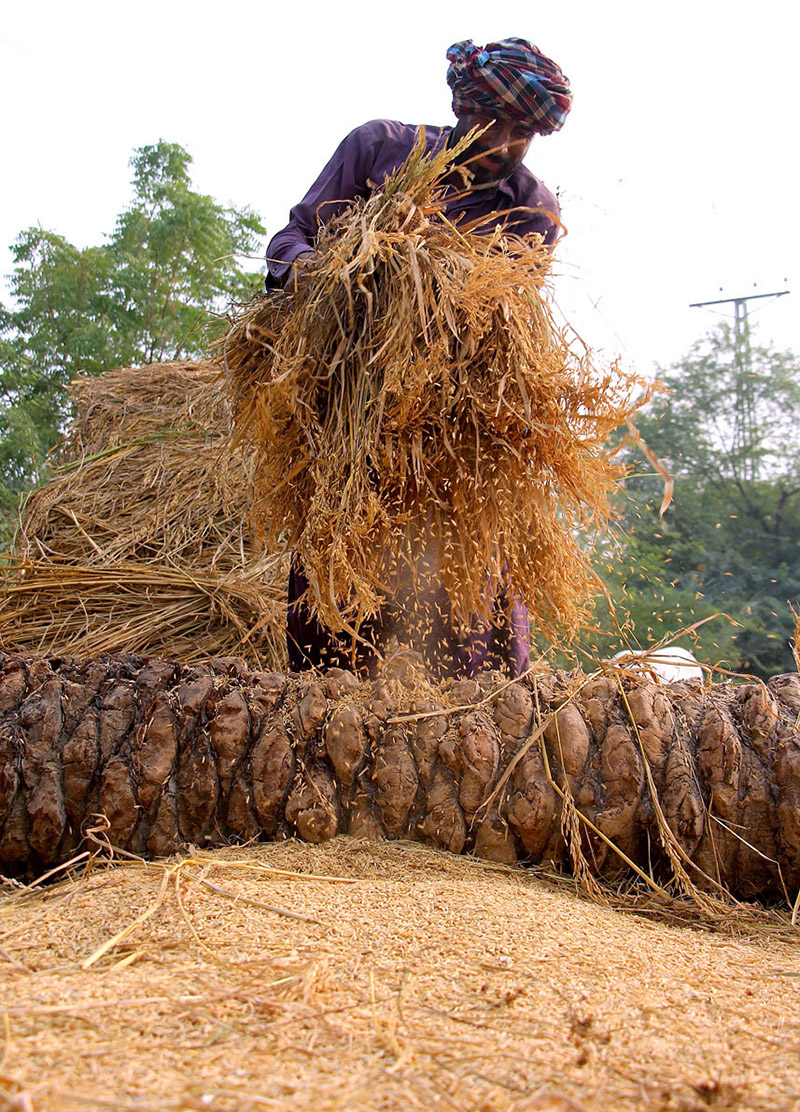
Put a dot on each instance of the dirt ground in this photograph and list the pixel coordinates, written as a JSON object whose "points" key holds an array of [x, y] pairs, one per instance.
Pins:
{"points": [[366, 977]]}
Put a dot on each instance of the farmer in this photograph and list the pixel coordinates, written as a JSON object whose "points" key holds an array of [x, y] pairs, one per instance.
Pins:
{"points": [[513, 92]]}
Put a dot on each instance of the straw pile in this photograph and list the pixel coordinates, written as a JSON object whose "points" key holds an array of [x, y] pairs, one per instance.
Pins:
{"points": [[413, 393], [138, 542], [352, 977]]}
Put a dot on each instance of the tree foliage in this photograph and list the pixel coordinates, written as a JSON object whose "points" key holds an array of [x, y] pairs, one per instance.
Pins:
{"points": [[730, 542], [153, 291]]}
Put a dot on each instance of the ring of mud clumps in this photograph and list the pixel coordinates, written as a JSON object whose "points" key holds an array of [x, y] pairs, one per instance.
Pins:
{"points": [[607, 775]]}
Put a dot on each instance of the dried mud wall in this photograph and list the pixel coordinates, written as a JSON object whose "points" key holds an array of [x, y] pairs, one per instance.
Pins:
{"points": [[211, 754]]}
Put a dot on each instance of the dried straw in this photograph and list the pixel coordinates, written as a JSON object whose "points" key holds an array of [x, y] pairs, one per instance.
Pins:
{"points": [[413, 394], [139, 542], [146, 474], [50, 607]]}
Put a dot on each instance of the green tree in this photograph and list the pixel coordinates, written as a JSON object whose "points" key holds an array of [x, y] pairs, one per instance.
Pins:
{"points": [[730, 542], [56, 329], [155, 290], [174, 259]]}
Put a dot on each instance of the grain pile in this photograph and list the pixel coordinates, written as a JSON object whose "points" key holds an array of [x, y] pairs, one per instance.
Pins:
{"points": [[139, 541], [412, 393], [351, 977]]}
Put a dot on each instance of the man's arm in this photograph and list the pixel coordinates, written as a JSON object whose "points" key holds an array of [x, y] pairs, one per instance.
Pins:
{"points": [[345, 178]]}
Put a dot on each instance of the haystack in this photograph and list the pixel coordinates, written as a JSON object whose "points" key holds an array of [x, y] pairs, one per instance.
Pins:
{"points": [[139, 541], [414, 393]]}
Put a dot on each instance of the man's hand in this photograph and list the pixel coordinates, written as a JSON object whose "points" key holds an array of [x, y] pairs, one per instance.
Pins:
{"points": [[299, 271]]}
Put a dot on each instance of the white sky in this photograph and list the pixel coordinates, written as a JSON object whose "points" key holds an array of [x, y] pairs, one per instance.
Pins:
{"points": [[677, 170]]}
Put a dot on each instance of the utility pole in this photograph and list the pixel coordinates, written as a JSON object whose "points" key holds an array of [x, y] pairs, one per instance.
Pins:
{"points": [[744, 412]]}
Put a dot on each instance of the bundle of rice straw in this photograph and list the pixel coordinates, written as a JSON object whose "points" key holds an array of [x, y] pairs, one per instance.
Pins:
{"points": [[84, 610], [139, 541], [413, 393]]}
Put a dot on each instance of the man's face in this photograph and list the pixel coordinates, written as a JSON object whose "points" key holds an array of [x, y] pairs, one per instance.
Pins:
{"points": [[498, 151]]}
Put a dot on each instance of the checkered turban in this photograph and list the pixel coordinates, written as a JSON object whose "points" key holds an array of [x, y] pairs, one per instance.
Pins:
{"points": [[508, 78]]}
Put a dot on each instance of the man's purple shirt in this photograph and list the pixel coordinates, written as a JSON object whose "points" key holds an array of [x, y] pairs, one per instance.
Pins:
{"points": [[366, 157]]}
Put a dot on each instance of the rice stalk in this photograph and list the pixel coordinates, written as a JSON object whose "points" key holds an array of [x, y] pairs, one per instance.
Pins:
{"points": [[411, 401]]}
